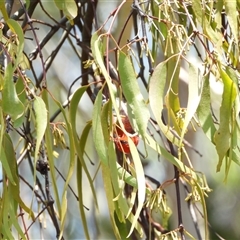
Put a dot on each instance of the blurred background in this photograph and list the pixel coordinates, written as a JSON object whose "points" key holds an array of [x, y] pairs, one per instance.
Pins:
{"points": [[222, 203]]}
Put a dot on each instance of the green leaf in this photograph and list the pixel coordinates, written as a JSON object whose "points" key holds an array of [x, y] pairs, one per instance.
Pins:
{"points": [[120, 202], [156, 99], [10, 102], [82, 143], [109, 195], [232, 16], [69, 8], [41, 123], [3, 10], [97, 48], [7, 166], [6, 224], [201, 16], [194, 96], [204, 207], [20, 88], [79, 146], [14, 187], [204, 111], [16, 28], [132, 93], [98, 136], [222, 136], [140, 183]]}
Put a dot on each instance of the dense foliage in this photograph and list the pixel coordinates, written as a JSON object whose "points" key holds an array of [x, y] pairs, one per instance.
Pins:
{"points": [[132, 66]]}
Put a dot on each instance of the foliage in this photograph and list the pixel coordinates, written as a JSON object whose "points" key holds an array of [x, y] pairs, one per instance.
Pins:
{"points": [[135, 88]]}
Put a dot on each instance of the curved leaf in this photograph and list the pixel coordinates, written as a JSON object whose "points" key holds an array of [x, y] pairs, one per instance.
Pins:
{"points": [[41, 122], [232, 16], [194, 96], [10, 102], [156, 97], [69, 8], [16, 28], [140, 176], [132, 93], [204, 111], [98, 136], [223, 134]]}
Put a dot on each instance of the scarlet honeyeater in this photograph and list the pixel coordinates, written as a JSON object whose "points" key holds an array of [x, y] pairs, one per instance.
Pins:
{"points": [[121, 139]]}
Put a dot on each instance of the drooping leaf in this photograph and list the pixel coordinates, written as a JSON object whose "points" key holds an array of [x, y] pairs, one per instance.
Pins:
{"points": [[49, 149], [10, 102], [156, 99], [132, 93], [120, 202], [41, 122], [82, 144], [194, 96], [98, 136], [109, 195], [140, 182], [20, 88], [69, 8], [6, 165], [14, 187], [204, 207], [222, 136], [97, 51], [3, 10], [231, 12], [79, 146], [16, 28], [204, 111]]}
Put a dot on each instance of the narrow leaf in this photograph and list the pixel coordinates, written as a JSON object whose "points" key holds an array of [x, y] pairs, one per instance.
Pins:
{"points": [[49, 148], [16, 28], [97, 50], [41, 122], [140, 183], [194, 97], [3, 10], [231, 12], [156, 99], [132, 93], [10, 102], [98, 136], [204, 111], [223, 134], [109, 195], [69, 8]]}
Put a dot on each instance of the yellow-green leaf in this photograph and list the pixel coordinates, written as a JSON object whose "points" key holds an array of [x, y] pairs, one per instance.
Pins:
{"points": [[204, 111], [222, 136], [98, 136], [156, 99], [140, 183], [69, 8], [41, 123], [3, 10], [10, 102], [194, 96], [16, 28], [132, 93], [232, 16]]}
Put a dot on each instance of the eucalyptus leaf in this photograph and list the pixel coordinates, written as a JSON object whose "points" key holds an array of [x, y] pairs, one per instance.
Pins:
{"points": [[132, 93], [222, 136], [69, 8], [194, 96], [11, 104]]}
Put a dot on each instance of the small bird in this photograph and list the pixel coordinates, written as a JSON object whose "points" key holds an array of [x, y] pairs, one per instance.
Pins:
{"points": [[121, 139]]}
